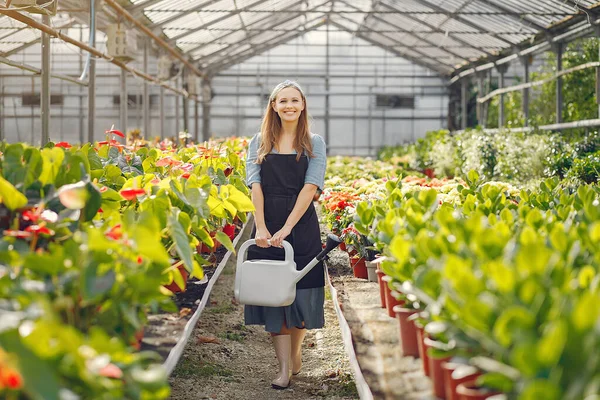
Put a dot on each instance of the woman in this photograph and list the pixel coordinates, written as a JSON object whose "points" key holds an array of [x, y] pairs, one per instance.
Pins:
{"points": [[285, 167]]}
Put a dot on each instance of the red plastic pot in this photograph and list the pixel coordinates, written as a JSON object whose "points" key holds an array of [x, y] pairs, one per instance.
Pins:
{"points": [[380, 276], [408, 331], [343, 246], [422, 350], [435, 370], [454, 375], [470, 391], [173, 286], [390, 297], [229, 230], [359, 268]]}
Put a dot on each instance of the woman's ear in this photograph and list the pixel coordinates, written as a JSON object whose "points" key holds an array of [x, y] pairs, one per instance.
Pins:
{"points": [[273, 106]]}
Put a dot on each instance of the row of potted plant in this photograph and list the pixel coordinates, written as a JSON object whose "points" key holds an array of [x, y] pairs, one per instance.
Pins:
{"points": [[497, 278], [92, 238]]}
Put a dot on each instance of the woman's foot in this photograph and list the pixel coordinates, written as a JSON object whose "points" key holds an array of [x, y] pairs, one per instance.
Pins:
{"points": [[283, 348]]}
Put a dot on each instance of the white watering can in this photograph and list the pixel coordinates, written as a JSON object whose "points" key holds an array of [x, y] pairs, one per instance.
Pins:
{"points": [[272, 283]]}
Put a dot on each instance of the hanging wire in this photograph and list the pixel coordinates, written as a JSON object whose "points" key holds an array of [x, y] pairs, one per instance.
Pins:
{"points": [[88, 59]]}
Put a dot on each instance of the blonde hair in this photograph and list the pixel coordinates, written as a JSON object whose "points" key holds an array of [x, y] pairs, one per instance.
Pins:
{"points": [[270, 128]]}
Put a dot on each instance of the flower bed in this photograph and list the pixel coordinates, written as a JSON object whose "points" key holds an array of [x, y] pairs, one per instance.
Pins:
{"points": [[92, 235]]}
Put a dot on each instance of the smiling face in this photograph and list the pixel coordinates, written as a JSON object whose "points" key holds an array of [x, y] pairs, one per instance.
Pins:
{"points": [[288, 104]]}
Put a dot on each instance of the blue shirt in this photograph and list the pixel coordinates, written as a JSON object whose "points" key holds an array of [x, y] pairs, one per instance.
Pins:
{"points": [[315, 173]]}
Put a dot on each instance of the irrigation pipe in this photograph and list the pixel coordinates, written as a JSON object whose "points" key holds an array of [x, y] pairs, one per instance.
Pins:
{"points": [[363, 389], [177, 350], [536, 83]]}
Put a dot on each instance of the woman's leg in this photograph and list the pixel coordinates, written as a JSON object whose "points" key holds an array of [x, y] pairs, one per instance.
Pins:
{"points": [[283, 347], [297, 336]]}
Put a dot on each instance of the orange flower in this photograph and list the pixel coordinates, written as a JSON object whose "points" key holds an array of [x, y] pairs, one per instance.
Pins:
{"points": [[114, 132], [64, 145], [38, 229]]}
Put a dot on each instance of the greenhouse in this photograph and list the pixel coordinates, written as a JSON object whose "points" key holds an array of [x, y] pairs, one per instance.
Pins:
{"points": [[168, 167]]}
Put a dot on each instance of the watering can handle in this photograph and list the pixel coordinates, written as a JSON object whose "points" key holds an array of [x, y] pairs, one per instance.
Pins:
{"points": [[243, 252]]}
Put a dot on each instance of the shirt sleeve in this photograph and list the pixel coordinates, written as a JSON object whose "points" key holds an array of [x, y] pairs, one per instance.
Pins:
{"points": [[252, 169], [315, 173]]}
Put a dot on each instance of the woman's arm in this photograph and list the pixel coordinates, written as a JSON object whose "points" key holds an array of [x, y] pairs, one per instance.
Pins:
{"points": [[302, 202], [258, 199]]}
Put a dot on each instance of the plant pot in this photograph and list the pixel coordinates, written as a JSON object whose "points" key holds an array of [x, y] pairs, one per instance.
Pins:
{"points": [[455, 374], [371, 271], [382, 285], [390, 299], [422, 350], [408, 331], [359, 267], [470, 391], [229, 230], [343, 246], [435, 370], [173, 286]]}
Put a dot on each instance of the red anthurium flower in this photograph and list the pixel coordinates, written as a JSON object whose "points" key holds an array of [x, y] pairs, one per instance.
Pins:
{"points": [[115, 132], [30, 216], [140, 260], [17, 234], [132, 194], [115, 232], [10, 378], [163, 162], [103, 189], [100, 210], [187, 167], [111, 371], [228, 171], [38, 229], [185, 175], [64, 145]]}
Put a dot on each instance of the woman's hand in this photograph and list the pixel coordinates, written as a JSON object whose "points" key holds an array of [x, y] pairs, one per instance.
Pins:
{"points": [[280, 235], [262, 237]]}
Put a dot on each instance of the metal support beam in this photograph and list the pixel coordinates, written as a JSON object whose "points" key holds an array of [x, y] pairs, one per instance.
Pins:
{"points": [[206, 99], [123, 102], [178, 15], [196, 122], [521, 19], [162, 112], [146, 97], [177, 110], [480, 93], [327, 104], [526, 63], [45, 92], [464, 85], [185, 109], [81, 116], [501, 70], [92, 80], [558, 48]]}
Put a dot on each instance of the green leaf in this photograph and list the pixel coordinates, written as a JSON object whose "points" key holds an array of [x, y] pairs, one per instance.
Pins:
{"points": [[513, 321], [541, 389], [95, 285], [586, 311], [552, 343], [181, 239], [241, 201], [93, 203], [74, 196], [10, 196], [41, 380], [53, 159], [225, 241]]}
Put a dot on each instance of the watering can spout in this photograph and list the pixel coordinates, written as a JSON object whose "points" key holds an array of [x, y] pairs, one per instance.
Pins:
{"points": [[333, 241]]}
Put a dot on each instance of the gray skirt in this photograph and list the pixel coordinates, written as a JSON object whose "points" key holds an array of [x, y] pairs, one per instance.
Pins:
{"points": [[306, 310]]}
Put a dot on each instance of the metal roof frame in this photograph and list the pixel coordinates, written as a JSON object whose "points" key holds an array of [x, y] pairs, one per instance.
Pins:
{"points": [[481, 32]]}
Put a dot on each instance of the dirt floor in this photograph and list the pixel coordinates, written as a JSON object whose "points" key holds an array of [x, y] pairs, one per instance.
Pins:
{"points": [[227, 360]]}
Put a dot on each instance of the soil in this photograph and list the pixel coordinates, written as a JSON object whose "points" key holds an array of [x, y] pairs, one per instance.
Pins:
{"points": [[163, 329], [227, 360]]}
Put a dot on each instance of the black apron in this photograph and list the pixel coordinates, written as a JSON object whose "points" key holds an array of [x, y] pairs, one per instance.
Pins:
{"points": [[282, 179]]}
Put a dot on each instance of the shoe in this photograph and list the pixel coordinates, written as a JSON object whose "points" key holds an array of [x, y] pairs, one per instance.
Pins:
{"points": [[283, 348]]}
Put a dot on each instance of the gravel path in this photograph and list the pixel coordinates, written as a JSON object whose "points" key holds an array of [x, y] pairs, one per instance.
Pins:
{"points": [[226, 360]]}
